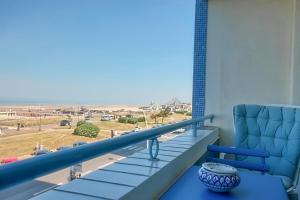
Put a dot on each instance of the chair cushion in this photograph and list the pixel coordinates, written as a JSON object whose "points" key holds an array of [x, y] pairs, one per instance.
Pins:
{"points": [[273, 129]]}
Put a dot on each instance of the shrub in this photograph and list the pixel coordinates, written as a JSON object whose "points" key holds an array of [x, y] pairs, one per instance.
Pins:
{"points": [[141, 119], [79, 123], [129, 116], [189, 113], [123, 119], [180, 112], [132, 120], [87, 130]]}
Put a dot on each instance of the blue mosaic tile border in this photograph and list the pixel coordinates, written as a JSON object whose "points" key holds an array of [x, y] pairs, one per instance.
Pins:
{"points": [[200, 47]]}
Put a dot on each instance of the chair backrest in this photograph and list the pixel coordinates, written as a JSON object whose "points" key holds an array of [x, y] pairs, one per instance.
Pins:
{"points": [[275, 129]]}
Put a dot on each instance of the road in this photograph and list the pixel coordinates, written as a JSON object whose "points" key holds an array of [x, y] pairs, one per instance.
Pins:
{"points": [[33, 188]]}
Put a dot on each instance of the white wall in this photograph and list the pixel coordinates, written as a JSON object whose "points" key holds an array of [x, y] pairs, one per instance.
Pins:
{"points": [[296, 55], [249, 56]]}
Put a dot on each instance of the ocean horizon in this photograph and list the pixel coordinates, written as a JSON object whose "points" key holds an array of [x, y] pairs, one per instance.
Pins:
{"points": [[29, 102]]}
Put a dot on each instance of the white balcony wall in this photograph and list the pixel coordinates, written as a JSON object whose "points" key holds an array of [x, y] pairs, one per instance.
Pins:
{"points": [[250, 56], [296, 54]]}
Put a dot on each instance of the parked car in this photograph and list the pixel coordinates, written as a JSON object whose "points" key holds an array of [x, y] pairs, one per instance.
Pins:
{"points": [[181, 130], [41, 152], [137, 129], [9, 160], [127, 132], [76, 144], [157, 126], [106, 117], [63, 148], [65, 122]]}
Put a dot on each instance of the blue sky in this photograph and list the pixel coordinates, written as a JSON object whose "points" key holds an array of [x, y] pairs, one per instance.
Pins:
{"points": [[96, 51]]}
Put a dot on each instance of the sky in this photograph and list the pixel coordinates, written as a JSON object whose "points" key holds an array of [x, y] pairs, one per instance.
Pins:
{"points": [[96, 51]]}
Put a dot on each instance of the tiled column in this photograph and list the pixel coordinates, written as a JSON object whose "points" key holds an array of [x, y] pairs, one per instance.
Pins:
{"points": [[199, 74]]}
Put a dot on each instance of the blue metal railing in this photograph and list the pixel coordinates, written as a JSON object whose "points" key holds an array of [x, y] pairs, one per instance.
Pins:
{"points": [[14, 173]]}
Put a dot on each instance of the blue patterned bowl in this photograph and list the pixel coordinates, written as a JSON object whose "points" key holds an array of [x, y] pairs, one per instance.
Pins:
{"points": [[219, 177]]}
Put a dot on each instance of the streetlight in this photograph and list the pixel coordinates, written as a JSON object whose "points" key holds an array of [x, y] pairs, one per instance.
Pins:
{"points": [[40, 125], [148, 141]]}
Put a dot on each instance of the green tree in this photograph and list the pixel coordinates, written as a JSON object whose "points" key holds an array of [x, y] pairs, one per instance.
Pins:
{"points": [[154, 117], [132, 120], [141, 119], [129, 116], [123, 120], [164, 113]]}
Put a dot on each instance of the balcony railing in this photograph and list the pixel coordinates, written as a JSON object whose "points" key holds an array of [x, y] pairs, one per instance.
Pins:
{"points": [[14, 173]]}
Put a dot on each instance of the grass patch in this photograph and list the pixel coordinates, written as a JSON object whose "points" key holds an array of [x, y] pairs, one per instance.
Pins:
{"points": [[31, 121], [23, 144], [20, 145]]}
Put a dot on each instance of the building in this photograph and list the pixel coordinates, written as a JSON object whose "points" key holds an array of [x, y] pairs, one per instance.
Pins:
{"points": [[151, 107], [175, 105]]}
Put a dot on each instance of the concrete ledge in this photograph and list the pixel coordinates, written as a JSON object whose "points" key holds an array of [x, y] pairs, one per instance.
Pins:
{"points": [[158, 183]]}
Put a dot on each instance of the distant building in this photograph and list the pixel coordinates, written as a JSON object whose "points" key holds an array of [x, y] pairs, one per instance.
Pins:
{"points": [[151, 107], [9, 113], [175, 105]]}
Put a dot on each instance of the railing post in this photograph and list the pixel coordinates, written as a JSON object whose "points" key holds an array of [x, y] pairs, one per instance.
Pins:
{"points": [[194, 127]]}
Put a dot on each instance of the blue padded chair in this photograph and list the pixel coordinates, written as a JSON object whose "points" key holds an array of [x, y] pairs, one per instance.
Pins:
{"points": [[267, 140]]}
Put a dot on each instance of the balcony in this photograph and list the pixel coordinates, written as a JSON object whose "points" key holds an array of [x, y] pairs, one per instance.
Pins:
{"points": [[126, 178], [132, 177], [245, 52]]}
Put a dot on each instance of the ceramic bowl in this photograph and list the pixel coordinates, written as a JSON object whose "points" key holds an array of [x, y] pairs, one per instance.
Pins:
{"points": [[219, 177]]}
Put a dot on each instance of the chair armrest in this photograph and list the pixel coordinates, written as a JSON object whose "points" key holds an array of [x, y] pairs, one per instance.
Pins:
{"points": [[238, 151], [240, 164], [296, 185]]}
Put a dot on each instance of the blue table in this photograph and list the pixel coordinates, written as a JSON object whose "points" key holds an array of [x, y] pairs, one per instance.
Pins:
{"points": [[253, 186]]}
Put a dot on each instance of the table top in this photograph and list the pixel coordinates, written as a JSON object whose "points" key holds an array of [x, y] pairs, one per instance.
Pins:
{"points": [[253, 186]]}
